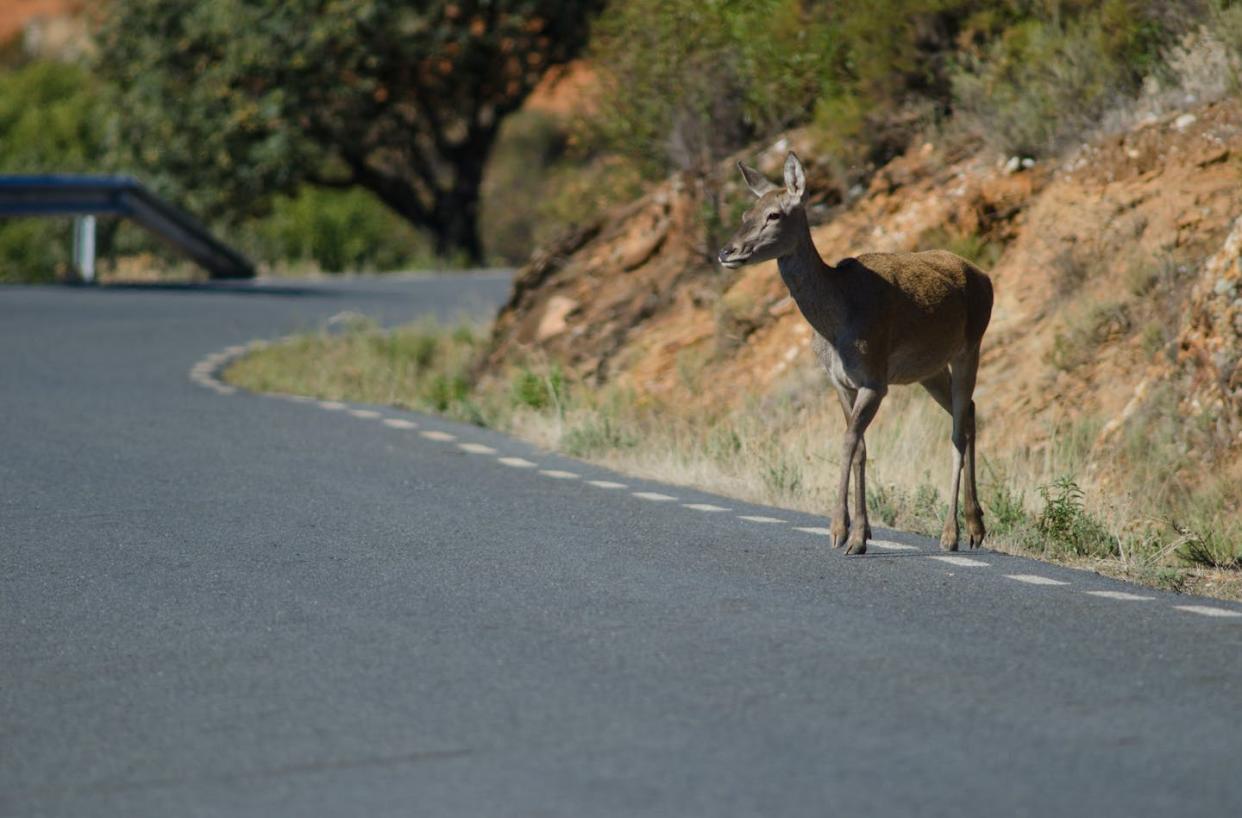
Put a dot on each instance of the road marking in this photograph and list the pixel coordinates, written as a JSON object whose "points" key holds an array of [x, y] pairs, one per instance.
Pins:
{"points": [[1204, 610], [559, 475], [398, 423], [965, 562], [606, 484], [653, 496], [365, 414], [223, 390], [751, 519], [889, 545], [331, 405], [708, 507], [443, 437], [823, 532], [516, 462], [305, 399], [1119, 595], [1034, 579], [476, 448]]}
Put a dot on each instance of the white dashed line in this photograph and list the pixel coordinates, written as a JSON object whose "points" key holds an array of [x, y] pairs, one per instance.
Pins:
{"points": [[965, 562], [889, 545], [823, 532], [443, 437], [1119, 595], [365, 414], [516, 462], [331, 405], [1204, 610], [476, 448], [398, 423], [558, 475], [708, 507], [653, 496], [1034, 579], [223, 390], [606, 484], [304, 399], [750, 519]]}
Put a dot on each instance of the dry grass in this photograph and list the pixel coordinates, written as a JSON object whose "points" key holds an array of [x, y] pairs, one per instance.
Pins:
{"points": [[782, 449]]}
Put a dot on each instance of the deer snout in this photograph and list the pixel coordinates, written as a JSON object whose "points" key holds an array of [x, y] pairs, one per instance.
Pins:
{"points": [[725, 252]]}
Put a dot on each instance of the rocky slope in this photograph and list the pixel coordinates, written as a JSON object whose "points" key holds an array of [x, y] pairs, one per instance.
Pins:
{"points": [[1118, 287]]}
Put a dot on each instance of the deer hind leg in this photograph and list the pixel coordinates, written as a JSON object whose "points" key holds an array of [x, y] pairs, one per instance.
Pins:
{"points": [[866, 404], [847, 397], [962, 386], [941, 387]]}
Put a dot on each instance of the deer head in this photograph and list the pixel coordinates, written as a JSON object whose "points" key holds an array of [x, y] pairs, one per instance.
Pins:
{"points": [[772, 227]]}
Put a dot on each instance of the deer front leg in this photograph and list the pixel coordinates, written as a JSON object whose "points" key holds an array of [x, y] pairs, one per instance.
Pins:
{"points": [[866, 404]]}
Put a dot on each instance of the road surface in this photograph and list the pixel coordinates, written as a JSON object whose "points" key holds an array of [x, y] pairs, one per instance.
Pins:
{"points": [[219, 603]]}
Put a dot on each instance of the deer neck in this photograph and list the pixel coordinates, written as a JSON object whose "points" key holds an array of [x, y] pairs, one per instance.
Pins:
{"points": [[812, 285]]}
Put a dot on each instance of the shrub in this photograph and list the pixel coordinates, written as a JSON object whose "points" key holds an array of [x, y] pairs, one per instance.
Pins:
{"points": [[1046, 81], [1067, 527], [335, 230], [535, 391]]}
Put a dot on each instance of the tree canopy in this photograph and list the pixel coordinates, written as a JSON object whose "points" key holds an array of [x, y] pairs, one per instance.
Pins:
{"points": [[227, 102]]}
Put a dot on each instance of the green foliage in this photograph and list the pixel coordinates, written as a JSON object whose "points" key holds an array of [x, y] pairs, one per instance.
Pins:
{"points": [[1067, 527], [529, 145], [597, 433], [976, 249], [337, 231], [227, 102], [51, 120], [781, 475], [1050, 78], [538, 391], [685, 82]]}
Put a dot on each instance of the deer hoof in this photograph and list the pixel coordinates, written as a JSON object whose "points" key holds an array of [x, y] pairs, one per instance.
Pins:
{"points": [[838, 539], [948, 542], [856, 547]]}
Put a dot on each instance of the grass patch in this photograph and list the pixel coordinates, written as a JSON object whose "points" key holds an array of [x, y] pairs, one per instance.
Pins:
{"points": [[783, 450]]}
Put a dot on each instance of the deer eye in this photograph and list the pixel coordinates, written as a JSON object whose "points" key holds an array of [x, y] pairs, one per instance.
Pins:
{"points": [[774, 215]]}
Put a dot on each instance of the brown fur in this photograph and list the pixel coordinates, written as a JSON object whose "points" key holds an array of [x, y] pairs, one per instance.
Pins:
{"points": [[879, 319]]}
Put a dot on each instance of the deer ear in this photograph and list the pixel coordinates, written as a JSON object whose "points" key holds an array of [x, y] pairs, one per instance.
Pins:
{"points": [[756, 181], [795, 177]]}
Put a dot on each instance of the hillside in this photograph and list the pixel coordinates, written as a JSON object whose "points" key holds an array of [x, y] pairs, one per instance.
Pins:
{"points": [[1115, 344]]}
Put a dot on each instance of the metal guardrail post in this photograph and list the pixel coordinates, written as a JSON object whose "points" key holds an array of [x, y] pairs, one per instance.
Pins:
{"points": [[84, 248]]}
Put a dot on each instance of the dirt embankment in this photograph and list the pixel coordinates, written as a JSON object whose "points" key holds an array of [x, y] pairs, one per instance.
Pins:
{"points": [[1118, 286]]}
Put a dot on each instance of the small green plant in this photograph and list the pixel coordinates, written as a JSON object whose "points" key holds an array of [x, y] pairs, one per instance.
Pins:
{"points": [[976, 249], [595, 434], [884, 503], [781, 475], [1067, 527], [1005, 508]]}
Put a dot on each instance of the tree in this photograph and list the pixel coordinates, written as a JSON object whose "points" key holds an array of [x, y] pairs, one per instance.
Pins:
{"points": [[227, 102]]}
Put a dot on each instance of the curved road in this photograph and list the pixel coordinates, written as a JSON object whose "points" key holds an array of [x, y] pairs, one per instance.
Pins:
{"points": [[230, 604]]}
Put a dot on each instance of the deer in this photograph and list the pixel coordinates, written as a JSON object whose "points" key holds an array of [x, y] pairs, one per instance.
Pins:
{"points": [[879, 319]]}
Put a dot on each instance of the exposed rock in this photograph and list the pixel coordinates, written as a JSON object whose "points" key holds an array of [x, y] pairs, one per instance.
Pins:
{"points": [[1137, 231]]}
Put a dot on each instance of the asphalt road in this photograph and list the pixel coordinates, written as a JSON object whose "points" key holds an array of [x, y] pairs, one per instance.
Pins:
{"points": [[217, 603]]}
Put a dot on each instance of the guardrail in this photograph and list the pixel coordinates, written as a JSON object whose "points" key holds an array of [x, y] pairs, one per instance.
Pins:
{"points": [[89, 196]]}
